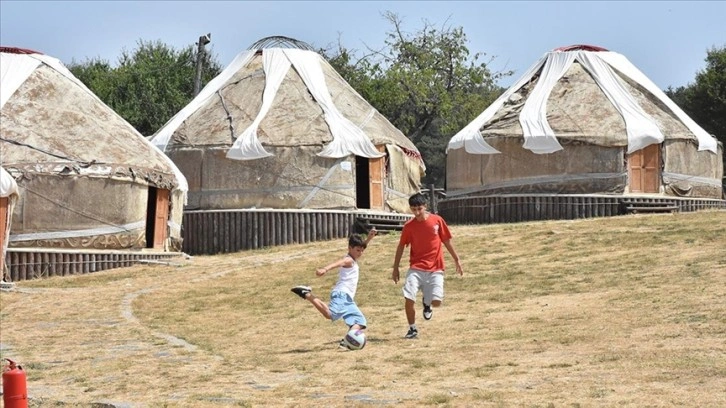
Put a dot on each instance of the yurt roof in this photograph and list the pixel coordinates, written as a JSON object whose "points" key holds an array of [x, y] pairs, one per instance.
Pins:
{"points": [[280, 41], [281, 93], [51, 122], [585, 93]]}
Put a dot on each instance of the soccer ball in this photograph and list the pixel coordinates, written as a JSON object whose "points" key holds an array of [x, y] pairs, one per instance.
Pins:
{"points": [[355, 339]]}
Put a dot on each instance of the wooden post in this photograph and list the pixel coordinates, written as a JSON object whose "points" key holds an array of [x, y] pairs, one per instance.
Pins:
{"points": [[203, 40]]}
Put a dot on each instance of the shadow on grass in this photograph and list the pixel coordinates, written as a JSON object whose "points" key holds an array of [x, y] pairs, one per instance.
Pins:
{"points": [[331, 345]]}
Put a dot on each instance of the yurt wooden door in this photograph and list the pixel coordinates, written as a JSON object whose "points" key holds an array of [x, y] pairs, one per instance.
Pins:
{"points": [[370, 175], [156, 215], [644, 169], [377, 175]]}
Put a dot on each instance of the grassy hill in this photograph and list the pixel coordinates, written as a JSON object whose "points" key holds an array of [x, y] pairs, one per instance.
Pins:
{"points": [[622, 311]]}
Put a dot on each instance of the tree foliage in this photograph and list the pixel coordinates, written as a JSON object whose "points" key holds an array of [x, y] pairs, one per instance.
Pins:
{"points": [[426, 83], [705, 99], [150, 84]]}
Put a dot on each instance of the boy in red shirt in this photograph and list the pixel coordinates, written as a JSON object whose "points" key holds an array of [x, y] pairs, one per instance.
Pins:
{"points": [[424, 233]]}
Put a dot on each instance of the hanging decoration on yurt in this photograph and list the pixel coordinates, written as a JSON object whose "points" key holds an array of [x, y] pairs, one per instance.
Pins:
{"points": [[279, 128], [584, 120]]}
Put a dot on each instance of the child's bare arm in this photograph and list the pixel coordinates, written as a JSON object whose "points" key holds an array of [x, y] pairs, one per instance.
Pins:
{"points": [[372, 233], [457, 260], [334, 265]]}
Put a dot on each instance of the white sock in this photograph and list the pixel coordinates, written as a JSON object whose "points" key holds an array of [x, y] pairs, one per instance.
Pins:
{"points": [[413, 327]]}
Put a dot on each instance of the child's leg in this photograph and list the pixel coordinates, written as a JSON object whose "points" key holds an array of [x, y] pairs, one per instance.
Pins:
{"points": [[414, 281], [409, 306], [320, 305]]}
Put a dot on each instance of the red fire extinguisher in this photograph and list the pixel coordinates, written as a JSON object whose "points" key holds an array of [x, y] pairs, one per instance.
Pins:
{"points": [[15, 394]]}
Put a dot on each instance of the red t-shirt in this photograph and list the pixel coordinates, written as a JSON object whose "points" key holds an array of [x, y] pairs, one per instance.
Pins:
{"points": [[425, 238]]}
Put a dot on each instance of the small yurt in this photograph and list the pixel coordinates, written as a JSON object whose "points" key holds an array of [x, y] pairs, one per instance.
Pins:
{"points": [[87, 179], [279, 128], [584, 120], [8, 198]]}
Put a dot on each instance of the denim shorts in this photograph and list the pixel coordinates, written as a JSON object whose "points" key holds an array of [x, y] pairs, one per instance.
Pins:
{"points": [[343, 307]]}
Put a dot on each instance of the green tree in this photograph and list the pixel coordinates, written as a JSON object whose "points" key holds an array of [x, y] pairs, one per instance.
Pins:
{"points": [[705, 99], [426, 83], [97, 75], [150, 84]]}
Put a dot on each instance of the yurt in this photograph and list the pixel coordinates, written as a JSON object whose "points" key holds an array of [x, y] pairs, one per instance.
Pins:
{"points": [[584, 120], [279, 128], [87, 179], [8, 198]]}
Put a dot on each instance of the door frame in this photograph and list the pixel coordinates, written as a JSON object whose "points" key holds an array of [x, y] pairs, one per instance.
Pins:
{"points": [[157, 214], [644, 170], [370, 177], [4, 218]]}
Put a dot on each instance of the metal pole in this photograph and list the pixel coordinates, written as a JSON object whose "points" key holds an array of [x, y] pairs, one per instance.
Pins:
{"points": [[203, 40]]}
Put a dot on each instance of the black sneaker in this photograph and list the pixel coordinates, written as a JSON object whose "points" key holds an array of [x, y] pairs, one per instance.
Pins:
{"points": [[412, 333], [427, 312], [301, 291]]}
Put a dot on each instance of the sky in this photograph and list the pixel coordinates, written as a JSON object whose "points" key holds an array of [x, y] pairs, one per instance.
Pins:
{"points": [[666, 40]]}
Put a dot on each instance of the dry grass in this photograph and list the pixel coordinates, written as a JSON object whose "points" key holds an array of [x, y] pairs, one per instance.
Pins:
{"points": [[623, 311]]}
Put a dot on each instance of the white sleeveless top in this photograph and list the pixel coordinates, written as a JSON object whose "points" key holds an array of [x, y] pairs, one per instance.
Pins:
{"points": [[348, 279]]}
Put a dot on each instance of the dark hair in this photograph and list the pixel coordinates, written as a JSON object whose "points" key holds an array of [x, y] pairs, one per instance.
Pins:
{"points": [[356, 240], [417, 200]]}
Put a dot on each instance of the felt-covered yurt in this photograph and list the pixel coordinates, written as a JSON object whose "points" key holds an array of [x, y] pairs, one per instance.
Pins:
{"points": [[584, 120], [8, 198], [279, 128], [87, 179]]}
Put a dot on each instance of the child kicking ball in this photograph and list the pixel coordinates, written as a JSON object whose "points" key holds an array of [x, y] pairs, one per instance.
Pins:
{"points": [[342, 297]]}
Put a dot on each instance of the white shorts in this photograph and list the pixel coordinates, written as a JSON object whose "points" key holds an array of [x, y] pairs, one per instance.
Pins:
{"points": [[430, 283]]}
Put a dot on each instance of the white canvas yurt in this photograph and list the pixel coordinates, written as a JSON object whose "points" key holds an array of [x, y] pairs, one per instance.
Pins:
{"points": [[584, 120], [8, 198], [87, 179], [279, 128]]}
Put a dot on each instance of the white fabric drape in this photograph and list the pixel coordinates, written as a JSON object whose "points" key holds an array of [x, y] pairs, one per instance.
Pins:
{"points": [[469, 137], [619, 62], [8, 187], [642, 130], [246, 146], [538, 135], [14, 70], [640, 127], [161, 139], [347, 137]]}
